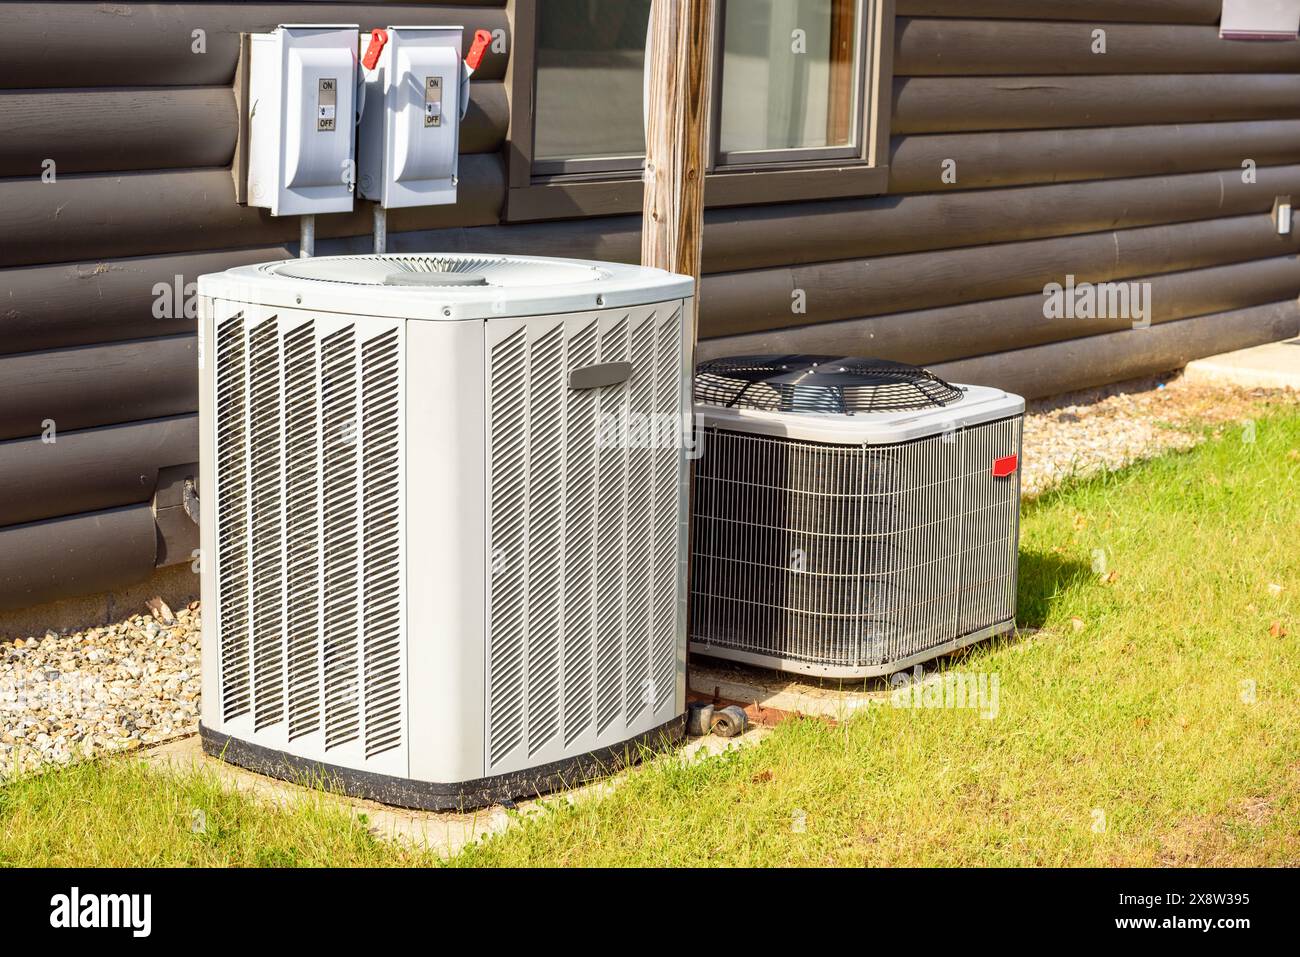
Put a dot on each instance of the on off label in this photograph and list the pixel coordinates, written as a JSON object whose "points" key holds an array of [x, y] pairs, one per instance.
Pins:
{"points": [[327, 98], [433, 101]]}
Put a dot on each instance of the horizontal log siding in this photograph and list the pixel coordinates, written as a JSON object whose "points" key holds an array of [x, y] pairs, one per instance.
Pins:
{"points": [[993, 103], [1138, 11], [947, 333], [87, 217], [1097, 360], [92, 469], [942, 47], [101, 131], [152, 44], [808, 233], [51, 306], [76, 555], [98, 385], [748, 301], [73, 304], [986, 160]]}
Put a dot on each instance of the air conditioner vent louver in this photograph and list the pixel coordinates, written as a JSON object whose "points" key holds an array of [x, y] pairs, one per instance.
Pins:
{"points": [[339, 473], [585, 533], [381, 429], [611, 509], [302, 528], [579, 527], [232, 520], [820, 384], [309, 544], [265, 467]]}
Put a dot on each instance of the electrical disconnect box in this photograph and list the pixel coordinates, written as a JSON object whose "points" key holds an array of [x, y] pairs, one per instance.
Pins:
{"points": [[416, 89], [302, 89]]}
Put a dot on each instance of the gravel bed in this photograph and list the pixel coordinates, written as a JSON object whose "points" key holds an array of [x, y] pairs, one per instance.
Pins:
{"points": [[1110, 427], [112, 688], [65, 696]]}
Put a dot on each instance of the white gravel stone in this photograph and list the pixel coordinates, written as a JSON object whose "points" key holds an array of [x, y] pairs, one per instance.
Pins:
{"points": [[116, 687], [1102, 429]]}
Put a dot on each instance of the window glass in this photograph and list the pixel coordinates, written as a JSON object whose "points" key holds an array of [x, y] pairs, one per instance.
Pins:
{"points": [[590, 61], [789, 77]]}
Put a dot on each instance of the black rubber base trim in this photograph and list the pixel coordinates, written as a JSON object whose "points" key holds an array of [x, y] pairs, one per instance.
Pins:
{"points": [[430, 796]]}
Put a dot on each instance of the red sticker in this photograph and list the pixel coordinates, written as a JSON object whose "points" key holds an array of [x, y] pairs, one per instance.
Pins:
{"points": [[1005, 466]]}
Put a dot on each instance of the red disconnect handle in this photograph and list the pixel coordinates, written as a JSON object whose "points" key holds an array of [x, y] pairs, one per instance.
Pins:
{"points": [[377, 40], [476, 50], [1005, 466]]}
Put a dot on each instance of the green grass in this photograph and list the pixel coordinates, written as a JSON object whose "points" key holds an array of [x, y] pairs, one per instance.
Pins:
{"points": [[1125, 731], [122, 813]]}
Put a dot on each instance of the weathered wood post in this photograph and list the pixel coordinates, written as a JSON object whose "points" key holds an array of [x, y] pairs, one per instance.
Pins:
{"points": [[677, 104], [677, 98]]}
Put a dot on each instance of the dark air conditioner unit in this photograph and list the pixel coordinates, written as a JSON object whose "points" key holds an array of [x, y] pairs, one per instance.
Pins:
{"points": [[852, 517]]}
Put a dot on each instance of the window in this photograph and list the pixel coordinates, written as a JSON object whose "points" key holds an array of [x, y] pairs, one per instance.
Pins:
{"points": [[590, 71], [800, 98], [790, 80]]}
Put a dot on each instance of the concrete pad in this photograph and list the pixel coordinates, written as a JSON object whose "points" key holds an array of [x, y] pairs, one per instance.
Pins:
{"points": [[444, 833], [831, 698], [1274, 365], [761, 689]]}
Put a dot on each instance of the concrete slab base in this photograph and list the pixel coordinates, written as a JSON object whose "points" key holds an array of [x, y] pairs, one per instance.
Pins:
{"points": [[788, 695], [1274, 365], [445, 834], [762, 689]]}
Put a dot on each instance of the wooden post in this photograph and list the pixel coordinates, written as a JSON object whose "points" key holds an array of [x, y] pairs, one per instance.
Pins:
{"points": [[678, 99], [677, 103]]}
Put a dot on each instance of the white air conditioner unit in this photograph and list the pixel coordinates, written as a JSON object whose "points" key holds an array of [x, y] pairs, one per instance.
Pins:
{"points": [[852, 517], [432, 570]]}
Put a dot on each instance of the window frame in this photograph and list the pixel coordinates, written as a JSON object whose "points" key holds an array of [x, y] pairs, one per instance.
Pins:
{"points": [[582, 188], [796, 156]]}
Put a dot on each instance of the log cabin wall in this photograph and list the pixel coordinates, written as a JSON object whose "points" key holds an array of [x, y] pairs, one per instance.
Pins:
{"points": [[1124, 166]]}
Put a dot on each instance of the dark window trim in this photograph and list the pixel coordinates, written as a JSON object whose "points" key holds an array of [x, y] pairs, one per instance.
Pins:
{"points": [[531, 197]]}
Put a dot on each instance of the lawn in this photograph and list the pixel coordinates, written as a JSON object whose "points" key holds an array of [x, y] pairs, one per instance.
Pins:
{"points": [[119, 812], [1151, 718]]}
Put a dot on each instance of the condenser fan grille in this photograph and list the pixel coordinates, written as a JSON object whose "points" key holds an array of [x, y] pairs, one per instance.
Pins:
{"points": [[411, 270], [826, 384]]}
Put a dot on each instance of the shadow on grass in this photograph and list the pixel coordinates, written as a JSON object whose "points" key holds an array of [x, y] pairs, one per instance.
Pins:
{"points": [[1044, 576]]}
